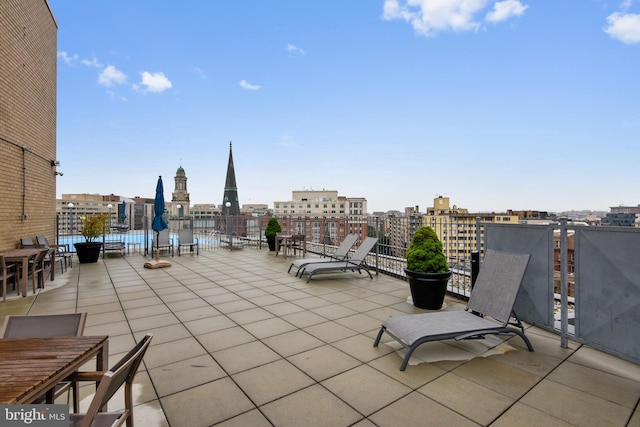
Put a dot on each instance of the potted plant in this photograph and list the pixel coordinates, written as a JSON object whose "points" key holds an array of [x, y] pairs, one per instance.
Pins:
{"points": [[273, 228], [427, 269], [93, 226]]}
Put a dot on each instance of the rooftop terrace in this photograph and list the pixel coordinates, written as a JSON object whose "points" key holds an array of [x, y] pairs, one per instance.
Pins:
{"points": [[239, 342]]}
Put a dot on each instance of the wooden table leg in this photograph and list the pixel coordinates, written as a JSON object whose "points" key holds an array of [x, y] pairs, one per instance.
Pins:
{"points": [[25, 275], [102, 361], [53, 264]]}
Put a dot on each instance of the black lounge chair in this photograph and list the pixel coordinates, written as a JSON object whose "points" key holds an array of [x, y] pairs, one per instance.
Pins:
{"points": [[341, 253], [357, 262], [493, 295]]}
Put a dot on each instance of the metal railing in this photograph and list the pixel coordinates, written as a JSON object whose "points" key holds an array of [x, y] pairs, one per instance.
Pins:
{"points": [[565, 284]]}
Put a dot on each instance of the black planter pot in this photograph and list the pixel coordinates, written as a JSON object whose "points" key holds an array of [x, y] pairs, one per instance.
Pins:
{"points": [[271, 241], [428, 289], [88, 251]]}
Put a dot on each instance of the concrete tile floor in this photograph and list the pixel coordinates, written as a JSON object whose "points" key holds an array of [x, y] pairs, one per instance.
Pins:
{"points": [[239, 342]]}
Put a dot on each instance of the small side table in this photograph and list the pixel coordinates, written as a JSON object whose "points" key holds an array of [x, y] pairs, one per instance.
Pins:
{"points": [[135, 246]]}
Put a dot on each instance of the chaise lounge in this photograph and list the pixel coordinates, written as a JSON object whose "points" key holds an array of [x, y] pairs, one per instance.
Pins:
{"points": [[341, 253], [493, 295], [357, 262]]}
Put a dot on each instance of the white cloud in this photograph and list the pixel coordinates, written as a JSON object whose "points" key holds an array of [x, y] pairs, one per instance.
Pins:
{"points": [[154, 82], [91, 62], [66, 58], [110, 76], [248, 86], [624, 27], [291, 48], [503, 10], [428, 17], [199, 71]]}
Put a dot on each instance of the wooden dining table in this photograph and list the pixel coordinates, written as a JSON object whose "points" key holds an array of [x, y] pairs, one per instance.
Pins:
{"points": [[281, 242], [31, 367], [22, 256], [284, 241]]}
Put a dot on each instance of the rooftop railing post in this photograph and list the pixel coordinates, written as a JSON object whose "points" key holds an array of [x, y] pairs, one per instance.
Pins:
{"points": [[57, 228], [564, 285], [475, 267], [478, 235]]}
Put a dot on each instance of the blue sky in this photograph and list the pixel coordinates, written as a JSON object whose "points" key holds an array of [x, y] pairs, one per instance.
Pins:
{"points": [[495, 104]]}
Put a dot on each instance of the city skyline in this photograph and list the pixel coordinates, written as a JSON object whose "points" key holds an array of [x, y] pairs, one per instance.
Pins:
{"points": [[503, 105]]}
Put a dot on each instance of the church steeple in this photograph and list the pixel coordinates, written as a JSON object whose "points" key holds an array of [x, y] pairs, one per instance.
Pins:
{"points": [[230, 189]]}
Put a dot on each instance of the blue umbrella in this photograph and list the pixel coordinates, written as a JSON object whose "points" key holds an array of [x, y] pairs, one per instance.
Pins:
{"points": [[123, 215], [159, 223]]}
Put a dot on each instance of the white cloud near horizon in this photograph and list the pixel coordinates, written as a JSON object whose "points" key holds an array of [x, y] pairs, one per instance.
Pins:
{"points": [[154, 82], [291, 48], [248, 86], [624, 27], [110, 76], [428, 17]]}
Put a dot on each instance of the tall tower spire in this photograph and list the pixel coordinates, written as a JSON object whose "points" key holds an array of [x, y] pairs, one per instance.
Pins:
{"points": [[180, 195], [230, 189]]}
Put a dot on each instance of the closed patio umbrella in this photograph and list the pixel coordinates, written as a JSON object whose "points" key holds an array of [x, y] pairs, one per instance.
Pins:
{"points": [[123, 215], [158, 224]]}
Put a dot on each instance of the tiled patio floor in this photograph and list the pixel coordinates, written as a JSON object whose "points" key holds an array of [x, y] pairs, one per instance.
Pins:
{"points": [[239, 342]]}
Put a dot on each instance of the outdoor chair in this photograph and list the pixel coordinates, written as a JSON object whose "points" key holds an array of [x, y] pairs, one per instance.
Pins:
{"points": [[62, 251], [341, 253], [8, 271], [163, 242], [185, 238], [357, 262], [27, 242], [295, 243], [37, 267], [123, 373], [489, 310], [45, 326]]}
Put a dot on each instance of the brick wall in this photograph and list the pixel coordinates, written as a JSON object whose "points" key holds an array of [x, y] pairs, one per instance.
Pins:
{"points": [[28, 32]]}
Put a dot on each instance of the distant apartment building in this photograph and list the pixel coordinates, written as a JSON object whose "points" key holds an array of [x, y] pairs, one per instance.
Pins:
{"points": [[124, 213], [533, 217], [323, 215], [619, 219], [622, 216], [255, 209], [571, 262], [28, 54], [399, 228], [457, 228], [625, 209], [206, 216]]}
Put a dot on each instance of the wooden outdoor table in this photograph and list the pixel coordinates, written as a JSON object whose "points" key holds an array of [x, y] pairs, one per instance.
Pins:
{"points": [[23, 256], [285, 240], [281, 240], [31, 367]]}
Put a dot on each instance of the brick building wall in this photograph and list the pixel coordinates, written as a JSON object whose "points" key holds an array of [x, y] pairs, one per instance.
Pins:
{"points": [[28, 39]]}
